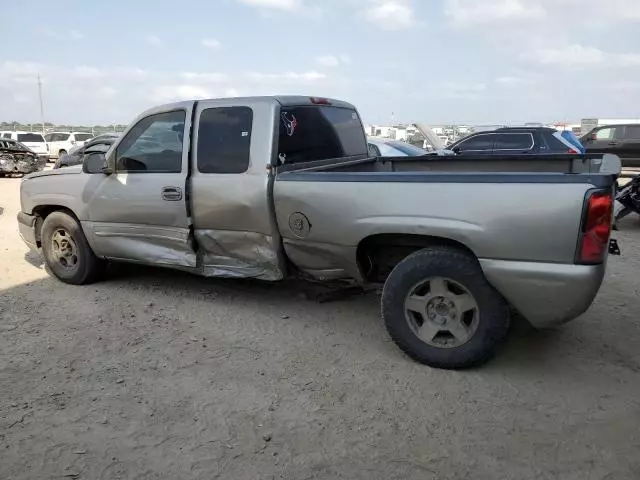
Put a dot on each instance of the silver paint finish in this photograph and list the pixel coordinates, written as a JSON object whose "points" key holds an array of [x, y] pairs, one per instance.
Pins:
{"points": [[525, 222], [546, 294], [525, 235]]}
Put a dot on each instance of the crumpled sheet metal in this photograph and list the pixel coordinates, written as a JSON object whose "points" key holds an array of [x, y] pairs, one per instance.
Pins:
{"points": [[152, 246], [231, 254], [12, 163]]}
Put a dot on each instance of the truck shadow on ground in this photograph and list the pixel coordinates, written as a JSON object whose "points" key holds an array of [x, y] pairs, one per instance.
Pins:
{"points": [[346, 315]]}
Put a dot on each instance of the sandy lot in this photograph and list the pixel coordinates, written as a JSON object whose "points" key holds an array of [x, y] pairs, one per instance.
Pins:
{"points": [[156, 374]]}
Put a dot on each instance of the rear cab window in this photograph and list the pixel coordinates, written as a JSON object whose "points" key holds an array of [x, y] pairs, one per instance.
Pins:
{"points": [[319, 132], [83, 137]]}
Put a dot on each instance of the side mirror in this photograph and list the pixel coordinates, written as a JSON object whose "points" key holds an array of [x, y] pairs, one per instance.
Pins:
{"points": [[456, 150], [95, 162]]}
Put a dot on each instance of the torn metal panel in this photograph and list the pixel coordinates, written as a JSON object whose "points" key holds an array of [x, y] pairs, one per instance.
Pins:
{"points": [[233, 254], [323, 261], [19, 162]]}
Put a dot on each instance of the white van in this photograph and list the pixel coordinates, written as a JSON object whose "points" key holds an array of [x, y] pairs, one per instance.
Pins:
{"points": [[61, 142], [35, 141]]}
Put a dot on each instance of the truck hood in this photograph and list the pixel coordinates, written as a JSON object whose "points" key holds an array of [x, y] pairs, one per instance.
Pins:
{"points": [[430, 135], [74, 170]]}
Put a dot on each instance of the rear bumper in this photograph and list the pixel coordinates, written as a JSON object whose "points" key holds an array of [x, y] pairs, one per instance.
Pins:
{"points": [[27, 229], [546, 294]]}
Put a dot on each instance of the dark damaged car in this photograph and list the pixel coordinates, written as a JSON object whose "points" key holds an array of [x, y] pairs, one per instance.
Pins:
{"points": [[16, 158]]}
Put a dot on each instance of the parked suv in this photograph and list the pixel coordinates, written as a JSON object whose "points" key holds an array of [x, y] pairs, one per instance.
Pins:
{"points": [[34, 141], [621, 140], [61, 142], [514, 141]]}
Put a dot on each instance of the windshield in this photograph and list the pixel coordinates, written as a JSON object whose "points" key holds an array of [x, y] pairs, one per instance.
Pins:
{"points": [[407, 148], [30, 137]]}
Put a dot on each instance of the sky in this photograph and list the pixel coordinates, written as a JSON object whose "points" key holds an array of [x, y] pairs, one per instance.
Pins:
{"points": [[434, 61]]}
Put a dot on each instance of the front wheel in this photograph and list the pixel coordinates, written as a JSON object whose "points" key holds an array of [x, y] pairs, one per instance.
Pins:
{"points": [[440, 309], [66, 251]]}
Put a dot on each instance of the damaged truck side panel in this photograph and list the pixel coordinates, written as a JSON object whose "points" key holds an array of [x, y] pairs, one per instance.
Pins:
{"points": [[266, 187]]}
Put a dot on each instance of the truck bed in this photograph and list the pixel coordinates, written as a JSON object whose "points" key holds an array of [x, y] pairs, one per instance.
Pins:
{"points": [[568, 164]]}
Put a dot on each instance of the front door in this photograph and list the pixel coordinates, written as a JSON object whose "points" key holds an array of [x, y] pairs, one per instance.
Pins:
{"points": [[139, 213]]}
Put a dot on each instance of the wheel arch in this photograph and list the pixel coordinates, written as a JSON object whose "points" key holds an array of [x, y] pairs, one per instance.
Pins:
{"points": [[41, 212], [378, 254]]}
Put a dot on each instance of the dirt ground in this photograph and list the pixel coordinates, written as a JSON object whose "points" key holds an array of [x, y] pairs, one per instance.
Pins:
{"points": [[154, 374]]}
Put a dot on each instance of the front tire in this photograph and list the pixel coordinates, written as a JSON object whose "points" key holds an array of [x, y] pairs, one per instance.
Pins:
{"points": [[439, 308], [66, 251]]}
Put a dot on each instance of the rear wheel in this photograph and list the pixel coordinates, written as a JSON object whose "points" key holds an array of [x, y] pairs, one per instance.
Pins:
{"points": [[441, 311], [67, 252]]}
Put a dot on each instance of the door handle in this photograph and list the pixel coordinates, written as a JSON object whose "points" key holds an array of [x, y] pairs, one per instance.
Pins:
{"points": [[613, 143], [171, 194]]}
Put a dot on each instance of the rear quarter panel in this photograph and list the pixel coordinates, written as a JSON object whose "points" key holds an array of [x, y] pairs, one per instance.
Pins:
{"points": [[526, 222]]}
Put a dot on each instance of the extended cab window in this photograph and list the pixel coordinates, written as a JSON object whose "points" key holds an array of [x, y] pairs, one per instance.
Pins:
{"points": [[309, 133], [224, 140], [153, 145]]}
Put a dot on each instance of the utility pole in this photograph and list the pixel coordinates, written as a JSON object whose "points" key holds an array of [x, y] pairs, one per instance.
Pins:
{"points": [[41, 107]]}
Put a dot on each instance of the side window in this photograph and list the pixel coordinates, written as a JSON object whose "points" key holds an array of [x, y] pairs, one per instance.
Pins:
{"points": [[606, 133], [224, 140], [632, 132], [153, 145], [514, 141], [478, 143]]}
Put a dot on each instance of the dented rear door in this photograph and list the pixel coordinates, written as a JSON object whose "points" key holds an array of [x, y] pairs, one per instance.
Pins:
{"points": [[231, 188]]}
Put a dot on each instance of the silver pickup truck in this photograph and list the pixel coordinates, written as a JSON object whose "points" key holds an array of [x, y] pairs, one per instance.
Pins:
{"points": [[271, 187]]}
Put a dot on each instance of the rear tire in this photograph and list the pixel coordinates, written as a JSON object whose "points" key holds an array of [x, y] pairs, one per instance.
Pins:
{"points": [[66, 251], [464, 318]]}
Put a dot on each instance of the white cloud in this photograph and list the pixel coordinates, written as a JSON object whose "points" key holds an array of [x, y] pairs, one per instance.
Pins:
{"points": [[174, 93], [310, 76], [205, 77], [466, 12], [154, 41], [76, 35], [83, 71], [569, 55], [211, 43], [391, 14], [274, 4], [328, 60]]}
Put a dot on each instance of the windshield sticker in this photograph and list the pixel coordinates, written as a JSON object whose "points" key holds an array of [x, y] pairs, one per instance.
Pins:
{"points": [[290, 123]]}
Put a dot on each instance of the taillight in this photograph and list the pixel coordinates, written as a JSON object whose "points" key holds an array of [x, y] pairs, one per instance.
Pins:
{"points": [[596, 228]]}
